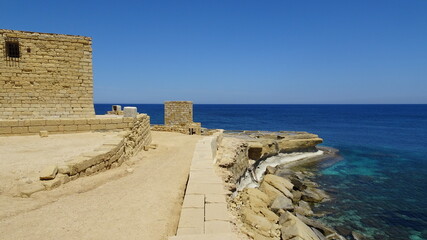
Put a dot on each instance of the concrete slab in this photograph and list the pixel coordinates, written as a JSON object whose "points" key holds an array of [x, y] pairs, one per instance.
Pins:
{"points": [[205, 191], [194, 201], [189, 231], [201, 178], [205, 180], [203, 154], [217, 227], [215, 198], [216, 211], [205, 188], [201, 165], [192, 218], [210, 172]]}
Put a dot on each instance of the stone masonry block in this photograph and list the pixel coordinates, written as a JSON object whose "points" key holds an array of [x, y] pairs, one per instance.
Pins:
{"points": [[67, 122], [52, 128], [128, 119], [49, 172], [80, 163], [111, 126], [80, 121], [53, 122], [64, 169], [5, 130], [70, 128], [85, 127], [35, 129], [51, 184], [122, 125], [92, 121], [61, 128], [9, 123], [117, 120], [44, 133], [98, 126], [104, 120], [143, 117], [130, 112], [97, 156], [34, 122], [20, 130]]}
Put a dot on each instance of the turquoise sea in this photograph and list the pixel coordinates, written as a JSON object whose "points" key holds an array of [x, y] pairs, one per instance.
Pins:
{"points": [[379, 186]]}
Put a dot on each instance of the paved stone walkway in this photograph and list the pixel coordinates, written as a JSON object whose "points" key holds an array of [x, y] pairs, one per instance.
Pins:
{"points": [[204, 212]]}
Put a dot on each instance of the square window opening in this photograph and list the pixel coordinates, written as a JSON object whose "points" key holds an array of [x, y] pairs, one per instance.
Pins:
{"points": [[12, 49]]}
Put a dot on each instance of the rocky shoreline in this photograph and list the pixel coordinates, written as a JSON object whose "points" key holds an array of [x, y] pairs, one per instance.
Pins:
{"points": [[277, 205]]}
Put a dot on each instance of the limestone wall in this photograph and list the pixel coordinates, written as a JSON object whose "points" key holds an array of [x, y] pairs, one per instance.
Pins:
{"points": [[65, 125], [113, 154], [189, 129], [178, 112], [49, 76], [109, 155], [179, 118]]}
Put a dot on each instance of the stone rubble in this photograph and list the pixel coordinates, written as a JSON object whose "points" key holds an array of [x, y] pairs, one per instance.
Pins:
{"points": [[49, 172], [279, 207]]}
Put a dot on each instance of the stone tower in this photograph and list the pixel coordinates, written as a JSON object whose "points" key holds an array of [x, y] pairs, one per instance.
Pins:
{"points": [[178, 113], [45, 75]]}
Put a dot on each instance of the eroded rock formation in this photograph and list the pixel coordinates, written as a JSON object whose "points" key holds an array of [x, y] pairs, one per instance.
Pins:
{"points": [[279, 207]]}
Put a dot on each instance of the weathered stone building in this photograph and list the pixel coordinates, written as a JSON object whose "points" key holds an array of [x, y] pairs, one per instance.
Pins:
{"points": [[179, 118], [45, 75], [178, 113]]}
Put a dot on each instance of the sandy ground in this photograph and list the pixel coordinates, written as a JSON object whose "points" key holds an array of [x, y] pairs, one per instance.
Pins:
{"points": [[23, 157], [140, 200]]}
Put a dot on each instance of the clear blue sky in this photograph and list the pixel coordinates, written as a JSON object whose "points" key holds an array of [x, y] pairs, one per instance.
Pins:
{"points": [[225, 51]]}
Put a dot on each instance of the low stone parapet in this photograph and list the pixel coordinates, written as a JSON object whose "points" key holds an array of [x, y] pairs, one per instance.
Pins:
{"points": [[194, 128], [110, 155], [66, 125]]}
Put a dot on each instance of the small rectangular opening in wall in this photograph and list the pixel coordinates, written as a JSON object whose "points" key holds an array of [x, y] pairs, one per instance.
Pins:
{"points": [[12, 49]]}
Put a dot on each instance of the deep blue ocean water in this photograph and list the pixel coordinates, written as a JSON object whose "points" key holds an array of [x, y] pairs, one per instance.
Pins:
{"points": [[380, 186]]}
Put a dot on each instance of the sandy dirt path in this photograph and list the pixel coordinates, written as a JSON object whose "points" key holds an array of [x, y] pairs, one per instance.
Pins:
{"points": [[144, 204]]}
